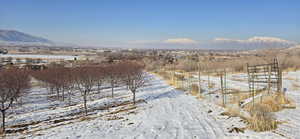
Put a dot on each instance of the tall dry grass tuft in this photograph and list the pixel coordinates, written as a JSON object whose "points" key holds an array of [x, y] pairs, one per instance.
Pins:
{"points": [[277, 102], [195, 89], [261, 118]]}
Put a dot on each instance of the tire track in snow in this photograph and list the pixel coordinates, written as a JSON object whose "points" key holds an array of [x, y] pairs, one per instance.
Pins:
{"points": [[291, 129]]}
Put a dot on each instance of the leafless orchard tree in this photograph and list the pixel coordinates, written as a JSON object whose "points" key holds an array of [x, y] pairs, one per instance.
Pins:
{"points": [[85, 80], [13, 84], [113, 72], [134, 77], [54, 78], [100, 75], [68, 82]]}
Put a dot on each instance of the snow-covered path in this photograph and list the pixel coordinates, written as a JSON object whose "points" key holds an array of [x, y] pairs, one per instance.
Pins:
{"points": [[291, 117], [174, 117]]}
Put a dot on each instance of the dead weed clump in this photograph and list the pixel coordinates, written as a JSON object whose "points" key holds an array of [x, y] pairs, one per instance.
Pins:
{"points": [[195, 89], [277, 102], [261, 118], [232, 112]]}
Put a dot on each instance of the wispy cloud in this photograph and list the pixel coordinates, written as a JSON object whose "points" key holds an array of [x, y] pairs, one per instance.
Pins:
{"points": [[251, 43], [185, 41], [256, 40], [167, 43]]}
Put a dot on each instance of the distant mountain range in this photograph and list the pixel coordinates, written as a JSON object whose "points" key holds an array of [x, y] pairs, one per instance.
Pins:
{"points": [[17, 38], [12, 37]]}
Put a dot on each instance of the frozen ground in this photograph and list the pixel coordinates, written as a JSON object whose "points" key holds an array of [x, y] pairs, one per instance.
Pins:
{"points": [[162, 112]]}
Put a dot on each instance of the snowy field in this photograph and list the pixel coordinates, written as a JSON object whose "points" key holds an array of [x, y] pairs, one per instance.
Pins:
{"points": [[162, 112], [63, 57]]}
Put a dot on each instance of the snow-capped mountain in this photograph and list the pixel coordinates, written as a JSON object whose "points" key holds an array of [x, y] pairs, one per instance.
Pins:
{"points": [[12, 37]]}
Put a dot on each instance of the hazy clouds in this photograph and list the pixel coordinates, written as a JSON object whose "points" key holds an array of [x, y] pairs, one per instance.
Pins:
{"points": [[217, 43]]}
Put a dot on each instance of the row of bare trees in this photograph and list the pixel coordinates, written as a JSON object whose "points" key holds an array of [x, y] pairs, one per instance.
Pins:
{"points": [[61, 80], [14, 83]]}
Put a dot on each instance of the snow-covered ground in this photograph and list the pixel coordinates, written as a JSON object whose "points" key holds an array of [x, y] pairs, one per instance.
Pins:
{"points": [[62, 57], [162, 112]]}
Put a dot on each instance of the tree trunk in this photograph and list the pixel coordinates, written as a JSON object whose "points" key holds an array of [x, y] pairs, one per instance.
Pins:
{"points": [[57, 92], [222, 89], [99, 89], [69, 94], [199, 81], [84, 99], [112, 88], [133, 97], [63, 94], [21, 101], [3, 120], [51, 90], [208, 80]]}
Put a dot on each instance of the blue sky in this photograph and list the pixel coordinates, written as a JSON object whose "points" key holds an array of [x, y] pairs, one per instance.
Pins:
{"points": [[117, 22]]}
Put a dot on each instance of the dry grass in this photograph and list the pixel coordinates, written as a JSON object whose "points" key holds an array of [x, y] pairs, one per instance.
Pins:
{"points": [[277, 102], [232, 112], [87, 118], [211, 85], [114, 117], [164, 75], [290, 78], [239, 79], [274, 102], [124, 109], [1, 132], [238, 96], [167, 76], [195, 89], [295, 86], [180, 88], [261, 118], [179, 77], [291, 69]]}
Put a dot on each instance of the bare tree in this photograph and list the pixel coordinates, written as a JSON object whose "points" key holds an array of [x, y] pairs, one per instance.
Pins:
{"points": [[68, 82], [134, 77], [55, 78], [199, 76], [113, 74], [100, 75], [13, 83], [85, 80]]}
